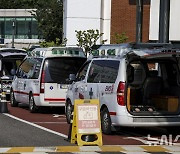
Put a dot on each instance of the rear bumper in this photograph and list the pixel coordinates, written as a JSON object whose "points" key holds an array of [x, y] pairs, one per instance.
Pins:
{"points": [[41, 101], [145, 121]]}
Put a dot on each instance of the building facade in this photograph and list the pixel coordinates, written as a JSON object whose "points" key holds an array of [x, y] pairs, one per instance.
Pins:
{"points": [[20, 24], [110, 17], [123, 19], [174, 22], [84, 15]]}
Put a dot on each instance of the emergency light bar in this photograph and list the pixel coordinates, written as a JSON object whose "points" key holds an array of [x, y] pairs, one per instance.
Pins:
{"points": [[108, 52], [111, 52], [55, 51], [141, 49]]}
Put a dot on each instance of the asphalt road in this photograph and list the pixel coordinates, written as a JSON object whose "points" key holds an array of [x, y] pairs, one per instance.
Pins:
{"points": [[14, 133], [53, 119]]}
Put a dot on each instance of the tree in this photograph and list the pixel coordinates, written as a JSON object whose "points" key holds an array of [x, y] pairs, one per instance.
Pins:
{"points": [[46, 44], [17, 4], [120, 38], [88, 38], [49, 15]]}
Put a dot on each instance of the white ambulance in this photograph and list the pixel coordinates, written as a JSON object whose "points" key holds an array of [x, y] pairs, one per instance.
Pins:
{"points": [[139, 87], [41, 79]]}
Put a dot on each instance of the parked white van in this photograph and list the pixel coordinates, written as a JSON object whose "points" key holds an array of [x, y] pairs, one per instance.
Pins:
{"points": [[139, 87], [41, 79]]}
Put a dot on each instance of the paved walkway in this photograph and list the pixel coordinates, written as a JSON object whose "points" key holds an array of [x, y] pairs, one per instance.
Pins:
{"points": [[124, 149]]}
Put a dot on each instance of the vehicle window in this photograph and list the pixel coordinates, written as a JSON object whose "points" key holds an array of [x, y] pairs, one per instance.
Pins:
{"points": [[57, 70], [8, 65], [24, 68], [172, 73], [153, 69], [28, 68], [82, 73], [103, 71], [139, 72], [34, 72]]}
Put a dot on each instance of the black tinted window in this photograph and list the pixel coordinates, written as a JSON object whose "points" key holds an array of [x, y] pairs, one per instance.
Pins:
{"points": [[172, 73], [57, 70], [103, 71]]}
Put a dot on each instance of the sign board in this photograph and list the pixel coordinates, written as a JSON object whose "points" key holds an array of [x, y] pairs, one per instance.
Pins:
{"points": [[86, 121]]}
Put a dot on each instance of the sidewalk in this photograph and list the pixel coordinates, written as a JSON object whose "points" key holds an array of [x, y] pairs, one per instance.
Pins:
{"points": [[94, 149]]}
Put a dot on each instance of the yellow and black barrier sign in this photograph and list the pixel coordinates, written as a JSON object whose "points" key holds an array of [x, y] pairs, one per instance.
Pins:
{"points": [[86, 126]]}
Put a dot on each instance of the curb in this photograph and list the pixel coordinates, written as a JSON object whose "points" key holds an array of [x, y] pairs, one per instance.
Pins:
{"points": [[106, 148]]}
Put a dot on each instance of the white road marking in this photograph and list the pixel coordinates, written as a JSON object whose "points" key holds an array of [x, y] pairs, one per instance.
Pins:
{"points": [[58, 115], [35, 125], [2, 150], [89, 148], [173, 148], [153, 141], [42, 149], [133, 148], [138, 139]]}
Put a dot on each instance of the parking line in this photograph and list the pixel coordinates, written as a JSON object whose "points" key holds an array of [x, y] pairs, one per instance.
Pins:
{"points": [[35, 125]]}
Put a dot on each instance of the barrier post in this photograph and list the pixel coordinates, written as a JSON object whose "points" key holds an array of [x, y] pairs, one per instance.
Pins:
{"points": [[3, 103]]}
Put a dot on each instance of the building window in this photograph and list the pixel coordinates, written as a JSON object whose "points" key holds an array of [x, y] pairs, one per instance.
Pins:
{"points": [[8, 28], [1, 27], [34, 29], [25, 28]]}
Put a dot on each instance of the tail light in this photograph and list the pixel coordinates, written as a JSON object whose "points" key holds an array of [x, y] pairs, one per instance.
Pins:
{"points": [[42, 82], [120, 93]]}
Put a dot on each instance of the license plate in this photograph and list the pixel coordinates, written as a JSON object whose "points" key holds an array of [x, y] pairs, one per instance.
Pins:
{"points": [[8, 91], [63, 86]]}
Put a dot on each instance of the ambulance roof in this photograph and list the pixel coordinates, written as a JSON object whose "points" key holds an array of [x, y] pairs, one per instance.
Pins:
{"points": [[57, 52], [139, 49]]}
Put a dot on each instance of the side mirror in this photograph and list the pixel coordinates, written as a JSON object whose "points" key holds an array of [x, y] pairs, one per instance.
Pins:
{"points": [[72, 77], [13, 72]]}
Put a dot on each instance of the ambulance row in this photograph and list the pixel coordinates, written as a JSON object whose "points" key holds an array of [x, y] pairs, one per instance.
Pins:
{"points": [[138, 85]]}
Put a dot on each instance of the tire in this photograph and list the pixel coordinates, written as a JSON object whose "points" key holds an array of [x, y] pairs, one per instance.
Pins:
{"points": [[13, 101], [32, 106], [106, 121], [68, 111]]}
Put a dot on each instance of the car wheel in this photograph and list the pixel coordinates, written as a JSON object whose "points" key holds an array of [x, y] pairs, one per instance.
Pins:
{"points": [[68, 111], [105, 121], [13, 101], [32, 106]]}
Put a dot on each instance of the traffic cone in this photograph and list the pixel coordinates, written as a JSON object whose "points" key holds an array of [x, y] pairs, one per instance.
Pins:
{"points": [[3, 103]]}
